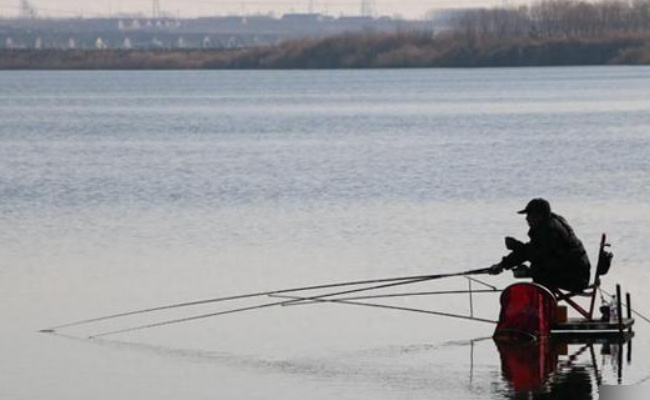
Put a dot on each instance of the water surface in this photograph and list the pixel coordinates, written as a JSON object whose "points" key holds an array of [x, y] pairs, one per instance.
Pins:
{"points": [[127, 190]]}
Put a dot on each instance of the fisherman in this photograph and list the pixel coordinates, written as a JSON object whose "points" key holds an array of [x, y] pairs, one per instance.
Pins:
{"points": [[557, 257]]}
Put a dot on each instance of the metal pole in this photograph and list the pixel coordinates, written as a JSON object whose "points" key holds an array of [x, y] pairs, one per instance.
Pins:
{"points": [[620, 362], [594, 364], [629, 352], [471, 363], [628, 300], [619, 308], [471, 300]]}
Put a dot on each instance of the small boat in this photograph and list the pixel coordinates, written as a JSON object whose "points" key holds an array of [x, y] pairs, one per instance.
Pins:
{"points": [[532, 310]]}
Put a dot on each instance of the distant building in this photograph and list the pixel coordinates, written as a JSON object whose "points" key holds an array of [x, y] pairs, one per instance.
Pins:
{"points": [[100, 44], [157, 43], [206, 32], [302, 18]]}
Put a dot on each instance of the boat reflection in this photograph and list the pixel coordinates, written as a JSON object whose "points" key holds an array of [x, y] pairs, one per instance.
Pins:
{"points": [[562, 368]]}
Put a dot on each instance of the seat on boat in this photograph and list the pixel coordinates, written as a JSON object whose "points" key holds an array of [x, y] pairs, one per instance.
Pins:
{"points": [[602, 268]]}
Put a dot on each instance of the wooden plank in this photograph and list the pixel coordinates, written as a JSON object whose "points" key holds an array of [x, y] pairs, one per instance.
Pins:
{"points": [[593, 337], [583, 325]]}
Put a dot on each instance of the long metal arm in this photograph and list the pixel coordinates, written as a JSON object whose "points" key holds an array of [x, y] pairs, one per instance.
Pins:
{"points": [[388, 307], [258, 294]]}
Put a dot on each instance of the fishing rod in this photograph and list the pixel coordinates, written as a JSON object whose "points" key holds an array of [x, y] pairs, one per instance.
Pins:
{"points": [[256, 294], [288, 302], [386, 306], [406, 294], [249, 308]]}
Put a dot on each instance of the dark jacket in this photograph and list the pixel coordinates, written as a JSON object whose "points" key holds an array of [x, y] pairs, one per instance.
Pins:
{"points": [[557, 256]]}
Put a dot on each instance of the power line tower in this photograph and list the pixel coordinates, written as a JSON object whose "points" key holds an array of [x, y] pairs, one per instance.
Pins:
{"points": [[367, 8], [27, 10], [155, 9]]}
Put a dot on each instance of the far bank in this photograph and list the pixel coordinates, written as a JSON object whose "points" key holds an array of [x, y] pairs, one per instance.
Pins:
{"points": [[410, 50]]}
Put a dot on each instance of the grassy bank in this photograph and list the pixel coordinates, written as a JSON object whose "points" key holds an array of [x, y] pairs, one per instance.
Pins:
{"points": [[413, 50]]}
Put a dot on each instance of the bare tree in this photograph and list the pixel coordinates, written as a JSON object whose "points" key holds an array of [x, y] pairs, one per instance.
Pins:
{"points": [[556, 18]]}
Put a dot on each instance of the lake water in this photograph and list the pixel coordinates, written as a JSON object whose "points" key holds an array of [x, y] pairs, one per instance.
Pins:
{"points": [[130, 190]]}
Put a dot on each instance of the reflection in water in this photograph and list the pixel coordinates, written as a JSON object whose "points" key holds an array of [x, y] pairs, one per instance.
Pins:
{"points": [[526, 366], [341, 369], [560, 368], [555, 369]]}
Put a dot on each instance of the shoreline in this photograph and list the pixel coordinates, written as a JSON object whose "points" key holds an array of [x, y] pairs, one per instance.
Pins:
{"points": [[352, 51]]}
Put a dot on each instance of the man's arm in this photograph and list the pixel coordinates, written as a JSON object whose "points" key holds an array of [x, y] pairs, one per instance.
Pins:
{"points": [[520, 252]]}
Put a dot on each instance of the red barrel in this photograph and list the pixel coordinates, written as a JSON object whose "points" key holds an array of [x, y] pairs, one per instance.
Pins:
{"points": [[527, 311]]}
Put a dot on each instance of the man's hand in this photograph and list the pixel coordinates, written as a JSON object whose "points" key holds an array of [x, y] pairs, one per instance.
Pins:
{"points": [[496, 269], [521, 271], [512, 243]]}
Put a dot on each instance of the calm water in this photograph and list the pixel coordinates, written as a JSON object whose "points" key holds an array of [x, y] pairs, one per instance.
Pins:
{"points": [[128, 190]]}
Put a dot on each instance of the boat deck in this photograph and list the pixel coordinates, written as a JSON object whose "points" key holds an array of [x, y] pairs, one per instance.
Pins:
{"points": [[583, 326], [598, 337]]}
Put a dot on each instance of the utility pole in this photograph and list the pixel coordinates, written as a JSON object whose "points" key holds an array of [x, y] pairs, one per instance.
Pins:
{"points": [[367, 8], [155, 11], [26, 10]]}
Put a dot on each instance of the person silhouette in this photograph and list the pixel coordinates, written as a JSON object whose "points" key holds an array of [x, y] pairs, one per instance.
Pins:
{"points": [[556, 255]]}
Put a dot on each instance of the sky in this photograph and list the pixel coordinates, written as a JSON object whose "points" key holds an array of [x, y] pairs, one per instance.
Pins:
{"points": [[193, 8]]}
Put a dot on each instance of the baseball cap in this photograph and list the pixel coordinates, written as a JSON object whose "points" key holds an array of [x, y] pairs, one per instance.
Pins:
{"points": [[537, 206]]}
